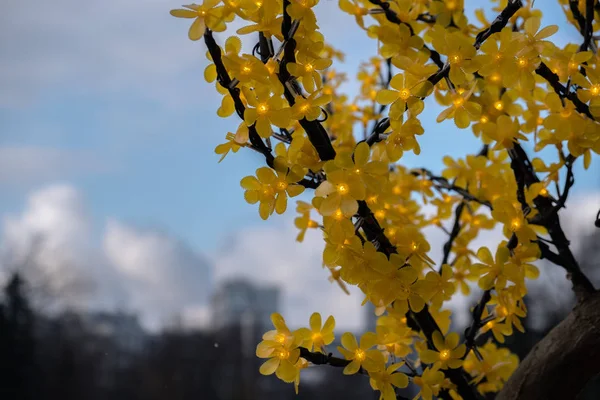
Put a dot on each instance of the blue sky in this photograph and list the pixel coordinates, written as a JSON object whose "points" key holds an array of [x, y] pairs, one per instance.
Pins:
{"points": [[109, 99]]}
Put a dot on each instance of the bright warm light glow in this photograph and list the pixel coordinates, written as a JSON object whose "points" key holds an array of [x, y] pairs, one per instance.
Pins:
{"points": [[360, 354], [522, 62], [455, 59], [595, 90], [342, 188], [458, 101], [283, 354], [316, 336], [280, 338], [282, 185], [445, 355], [414, 246], [380, 214], [495, 77], [246, 69], [515, 224], [543, 192], [396, 189], [338, 215], [489, 325], [484, 119], [573, 65], [309, 67], [262, 109], [404, 94], [499, 105], [304, 107]]}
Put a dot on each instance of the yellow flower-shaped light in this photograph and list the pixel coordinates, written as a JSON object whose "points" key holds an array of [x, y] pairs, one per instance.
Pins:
{"points": [[361, 355], [204, 15], [448, 353], [318, 336]]}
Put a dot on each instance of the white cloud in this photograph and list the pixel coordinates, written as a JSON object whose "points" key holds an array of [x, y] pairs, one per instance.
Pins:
{"points": [[52, 242], [21, 165], [47, 242], [163, 276]]}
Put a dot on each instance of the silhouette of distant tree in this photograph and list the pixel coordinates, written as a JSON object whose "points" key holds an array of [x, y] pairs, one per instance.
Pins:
{"points": [[19, 378]]}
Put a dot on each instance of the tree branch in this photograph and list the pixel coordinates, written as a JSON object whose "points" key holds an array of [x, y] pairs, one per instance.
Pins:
{"points": [[561, 364]]}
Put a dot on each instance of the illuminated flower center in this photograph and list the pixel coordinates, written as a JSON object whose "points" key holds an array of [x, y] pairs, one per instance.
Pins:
{"points": [[397, 190], [495, 77], [484, 119], [455, 59], [338, 215], [451, 5], [499, 105], [309, 67], [595, 90], [342, 188], [258, 3], [390, 231], [312, 224], [404, 94], [316, 337], [280, 338], [515, 224], [539, 120], [360, 355], [445, 355], [489, 325], [522, 62], [201, 12], [380, 214], [267, 191], [305, 107], [246, 69], [283, 354], [414, 246], [372, 199], [458, 101], [543, 192], [262, 109], [357, 171], [282, 185], [498, 56], [573, 65]]}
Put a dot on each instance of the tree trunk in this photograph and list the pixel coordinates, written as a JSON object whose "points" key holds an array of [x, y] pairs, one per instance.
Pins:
{"points": [[561, 364]]}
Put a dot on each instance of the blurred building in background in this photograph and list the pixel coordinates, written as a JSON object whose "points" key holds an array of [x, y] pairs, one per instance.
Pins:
{"points": [[239, 302]]}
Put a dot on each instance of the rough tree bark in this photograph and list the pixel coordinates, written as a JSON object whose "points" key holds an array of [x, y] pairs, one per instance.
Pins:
{"points": [[561, 364]]}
